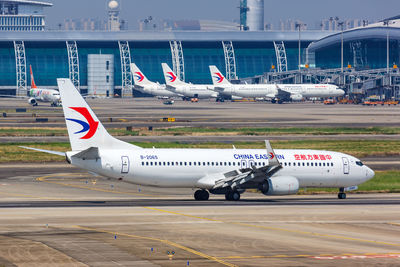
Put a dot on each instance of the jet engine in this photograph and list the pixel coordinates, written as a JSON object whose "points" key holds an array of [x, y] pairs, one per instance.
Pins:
{"points": [[32, 101], [280, 185], [296, 97]]}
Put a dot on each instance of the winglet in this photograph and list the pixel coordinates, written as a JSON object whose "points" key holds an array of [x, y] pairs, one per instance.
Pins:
{"points": [[272, 160]]}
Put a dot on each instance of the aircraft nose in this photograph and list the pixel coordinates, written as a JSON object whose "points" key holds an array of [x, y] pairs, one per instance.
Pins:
{"points": [[370, 173], [340, 92]]}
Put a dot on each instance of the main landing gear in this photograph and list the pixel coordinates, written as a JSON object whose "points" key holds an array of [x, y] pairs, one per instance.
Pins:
{"points": [[342, 194], [232, 195], [201, 195]]}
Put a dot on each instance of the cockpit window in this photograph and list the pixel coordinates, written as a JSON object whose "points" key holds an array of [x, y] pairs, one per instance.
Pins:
{"points": [[359, 163]]}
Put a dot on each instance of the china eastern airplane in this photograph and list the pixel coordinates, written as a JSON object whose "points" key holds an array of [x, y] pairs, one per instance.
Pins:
{"points": [[217, 171], [276, 92], [188, 90], [144, 85]]}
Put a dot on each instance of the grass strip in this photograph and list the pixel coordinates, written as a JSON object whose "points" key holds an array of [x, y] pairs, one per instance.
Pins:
{"points": [[11, 152]]}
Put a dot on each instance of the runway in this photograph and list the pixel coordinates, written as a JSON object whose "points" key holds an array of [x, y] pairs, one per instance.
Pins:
{"points": [[71, 218]]}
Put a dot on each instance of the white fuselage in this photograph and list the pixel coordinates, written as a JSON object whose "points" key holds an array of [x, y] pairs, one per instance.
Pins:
{"points": [[184, 167], [155, 89], [271, 90], [201, 91], [45, 95]]}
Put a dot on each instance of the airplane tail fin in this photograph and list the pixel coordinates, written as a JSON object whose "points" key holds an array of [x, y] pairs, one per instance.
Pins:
{"points": [[33, 85], [138, 77], [84, 128], [170, 78], [217, 77]]}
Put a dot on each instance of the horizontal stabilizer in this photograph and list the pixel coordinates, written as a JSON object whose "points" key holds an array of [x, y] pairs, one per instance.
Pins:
{"points": [[90, 153], [58, 153]]}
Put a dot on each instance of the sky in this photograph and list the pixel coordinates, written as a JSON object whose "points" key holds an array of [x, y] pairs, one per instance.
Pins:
{"points": [[308, 11]]}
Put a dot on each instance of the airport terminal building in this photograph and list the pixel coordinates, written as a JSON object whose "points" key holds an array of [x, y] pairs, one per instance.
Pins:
{"points": [[90, 56]]}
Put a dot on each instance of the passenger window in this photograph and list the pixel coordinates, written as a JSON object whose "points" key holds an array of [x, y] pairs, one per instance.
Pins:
{"points": [[289, 163], [233, 164], [155, 163], [332, 164], [212, 163], [204, 164], [208, 163], [220, 164], [181, 163], [147, 163], [308, 164], [216, 163], [320, 164], [312, 164], [168, 163], [323, 164], [303, 164], [185, 163], [194, 163], [190, 163], [151, 163]]}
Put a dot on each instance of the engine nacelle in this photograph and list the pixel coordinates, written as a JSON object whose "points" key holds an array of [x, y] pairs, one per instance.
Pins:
{"points": [[32, 101], [236, 97], [280, 185], [296, 97]]}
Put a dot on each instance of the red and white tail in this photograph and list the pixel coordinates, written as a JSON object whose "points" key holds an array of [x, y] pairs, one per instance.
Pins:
{"points": [[217, 77], [138, 77], [170, 77], [84, 128], [33, 85]]}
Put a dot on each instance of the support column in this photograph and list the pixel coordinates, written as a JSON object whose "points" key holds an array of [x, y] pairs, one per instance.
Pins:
{"points": [[281, 59], [73, 63], [178, 62], [230, 60], [20, 63], [126, 74]]}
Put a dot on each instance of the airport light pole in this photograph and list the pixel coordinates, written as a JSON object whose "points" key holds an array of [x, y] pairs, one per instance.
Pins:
{"points": [[341, 50], [299, 25]]}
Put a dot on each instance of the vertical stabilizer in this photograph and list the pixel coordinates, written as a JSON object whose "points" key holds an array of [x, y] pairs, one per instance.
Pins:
{"points": [[170, 78], [33, 85], [217, 77], [84, 128], [138, 77]]}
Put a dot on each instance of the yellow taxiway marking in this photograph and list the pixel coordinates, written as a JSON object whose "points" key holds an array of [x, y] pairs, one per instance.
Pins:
{"points": [[304, 255], [164, 241], [279, 229], [44, 179]]}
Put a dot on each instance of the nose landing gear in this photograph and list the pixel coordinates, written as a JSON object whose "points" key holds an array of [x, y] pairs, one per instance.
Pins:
{"points": [[342, 194]]}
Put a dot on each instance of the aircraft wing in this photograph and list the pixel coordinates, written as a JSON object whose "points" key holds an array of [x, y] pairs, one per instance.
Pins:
{"points": [[218, 89], [282, 93], [58, 153], [236, 178]]}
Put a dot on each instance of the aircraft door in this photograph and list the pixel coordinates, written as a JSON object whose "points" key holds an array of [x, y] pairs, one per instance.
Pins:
{"points": [[346, 166], [125, 164]]}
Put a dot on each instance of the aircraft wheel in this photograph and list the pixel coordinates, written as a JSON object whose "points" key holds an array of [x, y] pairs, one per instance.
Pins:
{"points": [[235, 196], [201, 195], [228, 196], [280, 102], [342, 196]]}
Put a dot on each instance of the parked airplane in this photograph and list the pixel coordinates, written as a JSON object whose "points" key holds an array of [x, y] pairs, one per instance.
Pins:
{"points": [[188, 90], [276, 92], [144, 85], [216, 171], [44, 95]]}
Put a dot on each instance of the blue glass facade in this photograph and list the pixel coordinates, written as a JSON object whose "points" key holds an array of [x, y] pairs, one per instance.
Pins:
{"points": [[49, 59]]}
